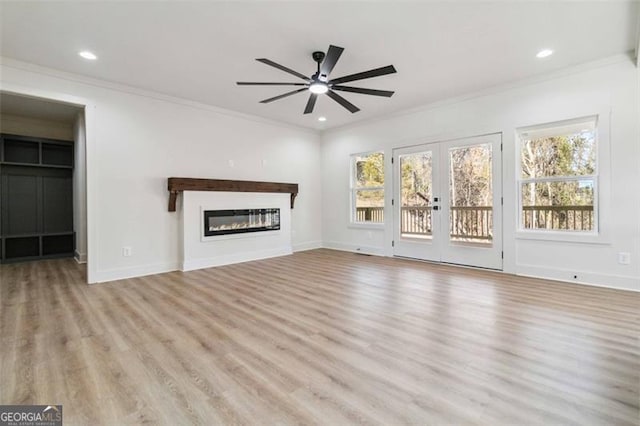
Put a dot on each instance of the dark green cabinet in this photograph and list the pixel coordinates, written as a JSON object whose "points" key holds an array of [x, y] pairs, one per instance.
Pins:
{"points": [[36, 198]]}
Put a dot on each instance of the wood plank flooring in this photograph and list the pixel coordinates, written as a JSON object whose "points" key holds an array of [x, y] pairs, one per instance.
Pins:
{"points": [[319, 337]]}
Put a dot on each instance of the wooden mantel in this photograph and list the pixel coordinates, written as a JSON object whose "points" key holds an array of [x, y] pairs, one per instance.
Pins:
{"points": [[177, 185]]}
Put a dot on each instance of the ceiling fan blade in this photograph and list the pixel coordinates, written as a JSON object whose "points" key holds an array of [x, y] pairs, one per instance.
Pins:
{"points": [[389, 69], [283, 68], [253, 83], [360, 90], [333, 54], [342, 101], [311, 103], [275, 98]]}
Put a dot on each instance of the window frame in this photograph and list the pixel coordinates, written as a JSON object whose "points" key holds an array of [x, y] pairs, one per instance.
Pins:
{"points": [[353, 189], [592, 236]]}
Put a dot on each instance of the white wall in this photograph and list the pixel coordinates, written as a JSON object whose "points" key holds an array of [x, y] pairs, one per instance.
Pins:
{"points": [[136, 140], [608, 88], [80, 188], [27, 126]]}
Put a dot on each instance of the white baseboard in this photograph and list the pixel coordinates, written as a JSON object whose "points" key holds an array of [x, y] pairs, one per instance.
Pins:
{"points": [[80, 257], [311, 245], [586, 278], [193, 264], [376, 251], [136, 271]]}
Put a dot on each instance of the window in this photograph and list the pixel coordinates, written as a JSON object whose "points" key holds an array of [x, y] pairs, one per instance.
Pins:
{"points": [[367, 188], [558, 177]]}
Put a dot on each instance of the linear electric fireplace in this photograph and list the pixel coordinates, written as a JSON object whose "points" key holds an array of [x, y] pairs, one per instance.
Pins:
{"points": [[224, 222]]}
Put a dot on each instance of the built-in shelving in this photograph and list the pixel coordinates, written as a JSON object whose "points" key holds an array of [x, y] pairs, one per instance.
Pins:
{"points": [[36, 204], [28, 151]]}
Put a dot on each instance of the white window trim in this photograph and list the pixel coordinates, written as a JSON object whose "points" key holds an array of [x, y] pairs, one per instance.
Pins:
{"points": [[596, 236], [352, 192]]}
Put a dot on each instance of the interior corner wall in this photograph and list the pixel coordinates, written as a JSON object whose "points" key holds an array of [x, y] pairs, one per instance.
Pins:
{"points": [[80, 188], [609, 88], [140, 139]]}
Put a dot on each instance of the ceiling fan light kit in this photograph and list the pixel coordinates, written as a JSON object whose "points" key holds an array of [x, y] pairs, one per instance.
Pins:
{"points": [[319, 82], [318, 88]]}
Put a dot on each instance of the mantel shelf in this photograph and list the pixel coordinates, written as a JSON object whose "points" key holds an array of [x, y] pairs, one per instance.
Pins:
{"points": [[177, 185]]}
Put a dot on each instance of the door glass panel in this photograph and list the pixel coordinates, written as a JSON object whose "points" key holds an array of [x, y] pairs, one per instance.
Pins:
{"points": [[471, 194], [416, 195]]}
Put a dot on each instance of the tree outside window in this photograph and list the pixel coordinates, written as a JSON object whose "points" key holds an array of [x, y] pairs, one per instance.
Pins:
{"points": [[367, 188], [558, 177]]}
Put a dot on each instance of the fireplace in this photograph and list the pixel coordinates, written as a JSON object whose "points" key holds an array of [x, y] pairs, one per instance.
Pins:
{"points": [[225, 222], [225, 227]]}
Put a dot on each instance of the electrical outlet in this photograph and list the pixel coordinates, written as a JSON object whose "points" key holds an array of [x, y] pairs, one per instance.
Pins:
{"points": [[231, 163], [126, 251], [624, 258]]}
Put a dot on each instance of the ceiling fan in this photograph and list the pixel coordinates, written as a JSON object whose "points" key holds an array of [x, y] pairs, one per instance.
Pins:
{"points": [[319, 82]]}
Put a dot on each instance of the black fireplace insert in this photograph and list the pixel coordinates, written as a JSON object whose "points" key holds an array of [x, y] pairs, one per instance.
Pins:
{"points": [[224, 222]]}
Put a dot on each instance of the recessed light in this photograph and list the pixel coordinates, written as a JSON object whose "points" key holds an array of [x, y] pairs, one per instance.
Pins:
{"points": [[88, 55], [544, 53], [322, 118]]}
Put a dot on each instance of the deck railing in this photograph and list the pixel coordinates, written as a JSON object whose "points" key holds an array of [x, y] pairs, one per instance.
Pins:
{"points": [[476, 223], [571, 218], [370, 214], [471, 223], [415, 220]]}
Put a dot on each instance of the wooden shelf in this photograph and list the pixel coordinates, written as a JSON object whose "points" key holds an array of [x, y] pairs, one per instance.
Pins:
{"points": [[48, 166], [177, 185], [35, 152]]}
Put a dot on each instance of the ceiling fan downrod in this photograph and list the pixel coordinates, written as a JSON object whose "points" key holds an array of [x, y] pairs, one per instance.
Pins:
{"points": [[318, 57]]}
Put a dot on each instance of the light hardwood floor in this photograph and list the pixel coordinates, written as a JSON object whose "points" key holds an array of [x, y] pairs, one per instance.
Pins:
{"points": [[319, 337]]}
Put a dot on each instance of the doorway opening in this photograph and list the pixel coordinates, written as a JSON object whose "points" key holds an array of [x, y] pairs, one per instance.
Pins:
{"points": [[42, 179]]}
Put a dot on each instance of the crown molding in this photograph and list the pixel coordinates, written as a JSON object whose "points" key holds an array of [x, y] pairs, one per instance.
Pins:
{"points": [[104, 84], [576, 69], [119, 87]]}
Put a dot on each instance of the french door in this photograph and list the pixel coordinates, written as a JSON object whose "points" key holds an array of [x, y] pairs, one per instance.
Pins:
{"points": [[447, 202]]}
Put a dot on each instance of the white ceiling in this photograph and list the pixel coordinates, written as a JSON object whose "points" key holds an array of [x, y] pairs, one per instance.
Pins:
{"points": [[198, 50], [37, 108]]}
